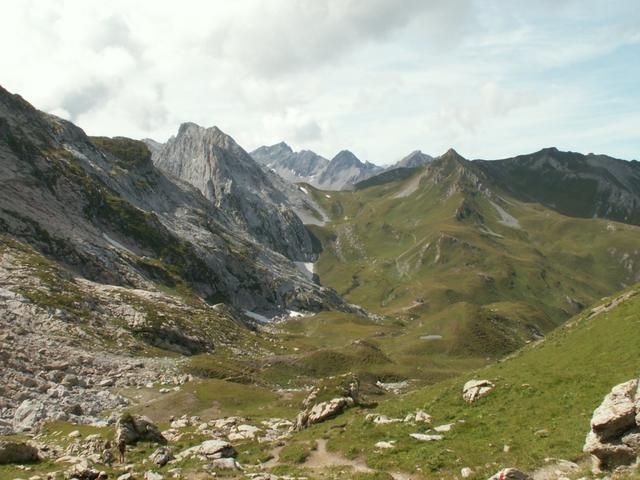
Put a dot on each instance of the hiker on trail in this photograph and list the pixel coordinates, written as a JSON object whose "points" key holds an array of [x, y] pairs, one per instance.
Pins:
{"points": [[122, 447], [107, 455]]}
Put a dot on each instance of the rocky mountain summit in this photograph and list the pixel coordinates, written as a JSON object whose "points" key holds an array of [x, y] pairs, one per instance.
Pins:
{"points": [[256, 200], [100, 207], [341, 173]]}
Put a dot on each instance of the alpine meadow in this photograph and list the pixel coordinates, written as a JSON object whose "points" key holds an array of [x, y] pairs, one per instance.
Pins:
{"points": [[323, 240]]}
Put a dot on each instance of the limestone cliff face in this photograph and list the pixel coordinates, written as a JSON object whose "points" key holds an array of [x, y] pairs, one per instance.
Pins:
{"points": [[102, 209], [254, 199]]}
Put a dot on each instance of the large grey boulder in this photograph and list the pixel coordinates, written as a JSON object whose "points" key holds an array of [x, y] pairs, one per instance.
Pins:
{"points": [[614, 439], [17, 452], [210, 449], [323, 411], [161, 456], [475, 389], [348, 390], [134, 428], [28, 415]]}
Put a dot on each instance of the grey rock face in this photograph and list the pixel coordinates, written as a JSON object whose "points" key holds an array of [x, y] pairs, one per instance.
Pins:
{"points": [[134, 428], [344, 170], [341, 173], [226, 175], [111, 220]]}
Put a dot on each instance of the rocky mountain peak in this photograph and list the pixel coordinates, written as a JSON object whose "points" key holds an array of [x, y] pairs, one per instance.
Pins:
{"points": [[345, 158], [255, 200], [283, 146], [452, 153]]}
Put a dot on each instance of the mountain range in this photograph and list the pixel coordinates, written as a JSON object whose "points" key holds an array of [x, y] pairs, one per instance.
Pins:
{"points": [[341, 172], [102, 208], [280, 315]]}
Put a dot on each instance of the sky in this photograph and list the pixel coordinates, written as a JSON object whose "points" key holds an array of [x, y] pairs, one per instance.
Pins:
{"points": [[381, 78]]}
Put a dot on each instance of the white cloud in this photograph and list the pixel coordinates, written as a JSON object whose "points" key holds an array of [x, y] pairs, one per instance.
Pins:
{"points": [[379, 77]]}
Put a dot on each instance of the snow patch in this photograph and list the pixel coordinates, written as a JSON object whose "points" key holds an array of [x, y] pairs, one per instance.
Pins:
{"points": [[257, 316], [306, 268]]}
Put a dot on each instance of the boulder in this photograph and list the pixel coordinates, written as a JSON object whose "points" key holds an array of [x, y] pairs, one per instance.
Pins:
{"points": [[161, 456], [510, 474], [614, 438], [323, 411], [28, 415], [133, 428], [81, 471], [475, 389], [210, 449], [423, 437], [617, 413], [345, 391], [422, 417], [226, 464], [385, 445], [17, 452], [443, 428]]}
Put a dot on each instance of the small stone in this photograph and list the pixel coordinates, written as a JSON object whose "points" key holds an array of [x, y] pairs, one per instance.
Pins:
{"points": [[423, 437], [385, 445]]}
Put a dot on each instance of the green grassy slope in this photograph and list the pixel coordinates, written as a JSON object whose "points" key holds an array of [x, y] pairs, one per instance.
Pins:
{"points": [[435, 252], [541, 406]]}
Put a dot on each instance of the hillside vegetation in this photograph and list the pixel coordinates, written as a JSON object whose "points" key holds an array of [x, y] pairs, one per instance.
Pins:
{"points": [[464, 265], [540, 408]]}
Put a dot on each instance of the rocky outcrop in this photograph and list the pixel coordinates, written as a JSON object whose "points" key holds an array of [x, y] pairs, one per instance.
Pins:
{"points": [[161, 456], [475, 389], [134, 428], [17, 452], [317, 412], [614, 439], [323, 411]]}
